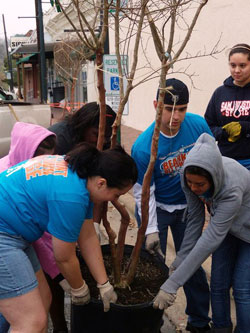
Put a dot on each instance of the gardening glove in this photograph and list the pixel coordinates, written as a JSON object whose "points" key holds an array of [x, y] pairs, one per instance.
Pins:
{"points": [[233, 130], [163, 300], [97, 230], [107, 293], [153, 244], [81, 295], [65, 285]]}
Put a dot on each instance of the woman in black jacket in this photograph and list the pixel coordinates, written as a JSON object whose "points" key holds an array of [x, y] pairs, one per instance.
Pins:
{"points": [[228, 112]]}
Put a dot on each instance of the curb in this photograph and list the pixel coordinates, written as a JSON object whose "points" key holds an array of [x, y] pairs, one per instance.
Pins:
{"points": [[176, 313]]}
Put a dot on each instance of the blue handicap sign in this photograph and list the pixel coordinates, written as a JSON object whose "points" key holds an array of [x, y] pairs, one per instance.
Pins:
{"points": [[114, 83]]}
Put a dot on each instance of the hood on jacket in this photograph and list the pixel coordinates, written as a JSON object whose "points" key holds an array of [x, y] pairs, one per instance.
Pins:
{"points": [[205, 154], [229, 82], [25, 138]]}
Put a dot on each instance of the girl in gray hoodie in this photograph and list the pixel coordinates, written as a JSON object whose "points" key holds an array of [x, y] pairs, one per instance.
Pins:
{"points": [[223, 185]]}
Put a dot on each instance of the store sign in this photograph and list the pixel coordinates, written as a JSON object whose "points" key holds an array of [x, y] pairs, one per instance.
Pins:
{"points": [[112, 80], [16, 41]]}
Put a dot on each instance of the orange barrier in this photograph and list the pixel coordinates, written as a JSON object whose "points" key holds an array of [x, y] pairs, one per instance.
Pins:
{"points": [[68, 106]]}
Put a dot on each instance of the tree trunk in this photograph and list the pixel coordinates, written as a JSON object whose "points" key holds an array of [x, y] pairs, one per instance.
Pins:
{"points": [[147, 178]]}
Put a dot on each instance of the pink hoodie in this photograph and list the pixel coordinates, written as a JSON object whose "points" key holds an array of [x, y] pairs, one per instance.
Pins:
{"points": [[25, 138]]}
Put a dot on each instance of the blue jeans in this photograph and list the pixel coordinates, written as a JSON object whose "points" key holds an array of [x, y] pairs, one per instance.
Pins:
{"points": [[196, 288], [231, 268], [18, 264], [4, 325]]}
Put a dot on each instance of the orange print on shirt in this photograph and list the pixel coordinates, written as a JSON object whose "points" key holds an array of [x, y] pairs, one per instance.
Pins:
{"points": [[44, 166]]}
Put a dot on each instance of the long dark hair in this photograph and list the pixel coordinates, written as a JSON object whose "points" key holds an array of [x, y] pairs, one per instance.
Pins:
{"points": [[240, 48], [47, 143], [86, 117], [115, 165]]}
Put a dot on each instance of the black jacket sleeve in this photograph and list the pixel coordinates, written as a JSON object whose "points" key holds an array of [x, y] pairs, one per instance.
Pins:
{"points": [[211, 116]]}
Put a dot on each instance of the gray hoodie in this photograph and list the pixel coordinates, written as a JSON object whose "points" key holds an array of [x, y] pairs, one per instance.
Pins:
{"points": [[229, 210]]}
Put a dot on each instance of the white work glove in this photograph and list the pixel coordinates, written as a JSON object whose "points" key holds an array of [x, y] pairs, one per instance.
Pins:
{"points": [[65, 285], [153, 244], [97, 230], [163, 300], [81, 295], [108, 295]]}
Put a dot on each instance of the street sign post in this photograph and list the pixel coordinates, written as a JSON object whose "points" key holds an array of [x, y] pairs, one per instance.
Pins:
{"points": [[112, 80], [112, 8]]}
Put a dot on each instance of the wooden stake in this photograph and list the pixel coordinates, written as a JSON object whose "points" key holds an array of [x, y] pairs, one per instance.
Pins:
{"points": [[13, 112]]}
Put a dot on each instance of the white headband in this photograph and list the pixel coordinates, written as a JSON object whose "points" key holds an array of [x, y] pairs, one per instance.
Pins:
{"points": [[240, 47]]}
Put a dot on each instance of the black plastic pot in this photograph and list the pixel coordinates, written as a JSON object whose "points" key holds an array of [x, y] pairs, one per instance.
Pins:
{"points": [[139, 318]]}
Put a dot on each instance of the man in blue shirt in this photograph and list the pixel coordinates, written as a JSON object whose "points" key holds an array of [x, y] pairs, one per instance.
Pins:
{"points": [[179, 131]]}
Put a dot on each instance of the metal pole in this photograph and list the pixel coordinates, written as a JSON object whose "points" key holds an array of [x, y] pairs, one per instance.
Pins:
{"points": [[41, 50], [106, 43], [38, 49], [8, 57]]}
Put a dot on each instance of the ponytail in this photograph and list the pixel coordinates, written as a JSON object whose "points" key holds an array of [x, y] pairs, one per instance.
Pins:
{"points": [[115, 165], [82, 158]]}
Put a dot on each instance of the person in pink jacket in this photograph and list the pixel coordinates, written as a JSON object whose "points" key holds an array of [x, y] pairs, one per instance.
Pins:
{"points": [[27, 141]]}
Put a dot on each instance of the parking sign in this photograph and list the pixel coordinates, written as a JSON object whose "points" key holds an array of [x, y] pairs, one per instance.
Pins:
{"points": [[114, 83], [112, 80]]}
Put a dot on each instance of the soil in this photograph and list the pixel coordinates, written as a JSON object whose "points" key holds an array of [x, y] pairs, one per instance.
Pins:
{"points": [[149, 277]]}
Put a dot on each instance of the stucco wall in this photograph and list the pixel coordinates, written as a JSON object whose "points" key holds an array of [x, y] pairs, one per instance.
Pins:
{"points": [[224, 20], [227, 20]]}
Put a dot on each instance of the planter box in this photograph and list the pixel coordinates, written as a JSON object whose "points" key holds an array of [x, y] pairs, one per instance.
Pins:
{"points": [[139, 318]]}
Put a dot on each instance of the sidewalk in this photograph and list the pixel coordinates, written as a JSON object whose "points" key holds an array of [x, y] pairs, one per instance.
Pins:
{"points": [[176, 313]]}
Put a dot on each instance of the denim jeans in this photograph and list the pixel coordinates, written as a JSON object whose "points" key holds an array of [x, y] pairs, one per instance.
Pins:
{"points": [[4, 325], [231, 268], [18, 265], [196, 288]]}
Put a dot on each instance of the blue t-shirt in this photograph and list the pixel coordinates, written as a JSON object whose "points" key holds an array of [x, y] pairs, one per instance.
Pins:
{"points": [[245, 163], [171, 155], [43, 194]]}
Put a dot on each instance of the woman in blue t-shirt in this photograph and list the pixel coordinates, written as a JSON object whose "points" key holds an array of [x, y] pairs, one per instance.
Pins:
{"points": [[55, 194]]}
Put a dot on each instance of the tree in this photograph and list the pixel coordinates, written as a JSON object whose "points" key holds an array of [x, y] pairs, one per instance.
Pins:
{"points": [[69, 56], [167, 26]]}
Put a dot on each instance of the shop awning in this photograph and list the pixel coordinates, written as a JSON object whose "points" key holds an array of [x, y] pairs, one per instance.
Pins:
{"points": [[26, 59]]}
